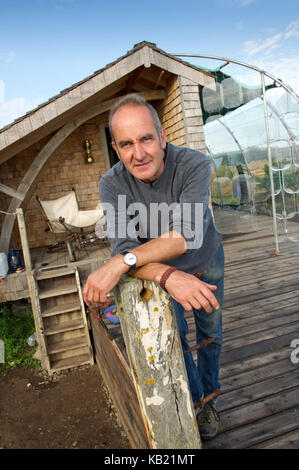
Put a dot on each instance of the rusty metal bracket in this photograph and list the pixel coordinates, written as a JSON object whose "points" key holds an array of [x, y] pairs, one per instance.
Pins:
{"points": [[201, 403], [202, 344], [200, 273]]}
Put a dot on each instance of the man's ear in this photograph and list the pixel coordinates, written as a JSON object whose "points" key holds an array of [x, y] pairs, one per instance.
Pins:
{"points": [[163, 138], [115, 148]]}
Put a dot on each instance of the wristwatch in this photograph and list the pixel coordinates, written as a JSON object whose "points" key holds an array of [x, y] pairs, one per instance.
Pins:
{"points": [[129, 259]]}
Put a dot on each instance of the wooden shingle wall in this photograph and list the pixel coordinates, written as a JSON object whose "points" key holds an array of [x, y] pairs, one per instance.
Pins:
{"points": [[66, 169], [171, 114], [181, 114], [192, 111]]}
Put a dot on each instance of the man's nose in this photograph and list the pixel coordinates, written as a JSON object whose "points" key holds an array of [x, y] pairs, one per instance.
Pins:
{"points": [[139, 152]]}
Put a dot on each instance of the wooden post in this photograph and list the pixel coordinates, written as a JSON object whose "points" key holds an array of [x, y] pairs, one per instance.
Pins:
{"points": [[153, 345], [32, 290]]}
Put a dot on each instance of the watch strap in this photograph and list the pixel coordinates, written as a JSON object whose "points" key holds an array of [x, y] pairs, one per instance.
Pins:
{"points": [[124, 253]]}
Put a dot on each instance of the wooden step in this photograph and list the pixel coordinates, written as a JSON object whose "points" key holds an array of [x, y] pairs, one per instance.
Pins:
{"points": [[69, 362], [56, 291], [65, 326], [61, 308], [67, 345], [51, 273]]}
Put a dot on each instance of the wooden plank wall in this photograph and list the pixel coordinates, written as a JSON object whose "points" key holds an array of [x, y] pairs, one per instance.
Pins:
{"points": [[171, 113], [192, 111], [118, 379], [66, 169], [181, 114]]}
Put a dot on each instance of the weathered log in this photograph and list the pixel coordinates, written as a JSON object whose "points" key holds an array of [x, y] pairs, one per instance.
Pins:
{"points": [[156, 359]]}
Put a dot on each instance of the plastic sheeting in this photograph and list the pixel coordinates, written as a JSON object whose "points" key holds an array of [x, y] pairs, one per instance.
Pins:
{"points": [[238, 146]]}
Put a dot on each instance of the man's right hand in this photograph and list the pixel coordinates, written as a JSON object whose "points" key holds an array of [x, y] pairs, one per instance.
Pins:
{"points": [[191, 292]]}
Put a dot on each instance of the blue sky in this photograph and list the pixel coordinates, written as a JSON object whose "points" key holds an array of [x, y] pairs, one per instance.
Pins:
{"points": [[47, 45]]}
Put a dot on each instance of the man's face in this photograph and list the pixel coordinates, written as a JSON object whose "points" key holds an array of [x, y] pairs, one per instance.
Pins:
{"points": [[137, 142]]}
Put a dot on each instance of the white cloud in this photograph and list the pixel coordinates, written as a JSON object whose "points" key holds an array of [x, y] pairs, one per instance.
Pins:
{"points": [[2, 91], [11, 55], [7, 57], [292, 30], [254, 47], [285, 63], [16, 108], [239, 25], [285, 69], [243, 3]]}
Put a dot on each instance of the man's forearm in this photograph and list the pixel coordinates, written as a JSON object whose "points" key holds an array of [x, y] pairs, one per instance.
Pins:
{"points": [[150, 258], [150, 272], [185, 288], [161, 249]]}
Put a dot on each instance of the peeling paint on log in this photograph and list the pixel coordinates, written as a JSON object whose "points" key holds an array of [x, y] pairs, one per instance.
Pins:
{"points": [[156, 359]]}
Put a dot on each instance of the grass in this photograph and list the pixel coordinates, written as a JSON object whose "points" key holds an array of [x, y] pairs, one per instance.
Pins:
{"points": [[14, 332]]}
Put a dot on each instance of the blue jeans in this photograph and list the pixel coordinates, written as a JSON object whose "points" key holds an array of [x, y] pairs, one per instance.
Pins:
{"points": [[203, 378]]}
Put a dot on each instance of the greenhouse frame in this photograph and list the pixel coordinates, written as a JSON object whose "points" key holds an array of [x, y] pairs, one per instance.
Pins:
{"points": [[252, 137]]}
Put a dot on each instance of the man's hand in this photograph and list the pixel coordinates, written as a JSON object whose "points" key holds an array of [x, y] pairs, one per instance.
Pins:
{"points": [[190, 292], [102, 281]]}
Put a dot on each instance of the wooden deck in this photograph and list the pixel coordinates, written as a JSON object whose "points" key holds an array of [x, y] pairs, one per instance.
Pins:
{"points": [[259, 404]]}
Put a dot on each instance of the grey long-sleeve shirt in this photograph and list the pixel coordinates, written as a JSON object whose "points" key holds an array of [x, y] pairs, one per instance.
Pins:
{"points": [[137, 212]]}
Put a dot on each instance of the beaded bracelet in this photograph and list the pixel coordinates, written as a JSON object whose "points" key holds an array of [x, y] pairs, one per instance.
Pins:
{"points": [[165, 276]]}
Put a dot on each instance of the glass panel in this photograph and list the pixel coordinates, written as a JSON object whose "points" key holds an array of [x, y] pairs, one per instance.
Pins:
{"points": [[290, 179], [232, 93], [291, 120], [296, 151], [212, 100], [285, 205], [247, 124], [235, 133], [281, 155]]}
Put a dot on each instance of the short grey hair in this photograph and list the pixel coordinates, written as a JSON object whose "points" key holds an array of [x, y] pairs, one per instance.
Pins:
{"points": [[133, 99]]}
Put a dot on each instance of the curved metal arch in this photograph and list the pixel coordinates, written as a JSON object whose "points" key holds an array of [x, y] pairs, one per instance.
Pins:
{"points": [[243, 64], [236, 141]]}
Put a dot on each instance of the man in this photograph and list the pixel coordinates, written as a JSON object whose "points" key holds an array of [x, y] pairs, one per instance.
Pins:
{"points": [[152, 171]]}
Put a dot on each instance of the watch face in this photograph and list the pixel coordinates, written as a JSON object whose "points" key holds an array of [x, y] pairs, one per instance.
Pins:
{"points": [[130, 259]]}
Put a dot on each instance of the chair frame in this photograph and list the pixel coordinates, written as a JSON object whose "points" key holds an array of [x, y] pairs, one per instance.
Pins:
{"points": [[78, 239]]}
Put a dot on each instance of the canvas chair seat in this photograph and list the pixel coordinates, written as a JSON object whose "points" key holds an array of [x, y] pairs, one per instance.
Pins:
{"points": [[63, 216], [67, 208]]}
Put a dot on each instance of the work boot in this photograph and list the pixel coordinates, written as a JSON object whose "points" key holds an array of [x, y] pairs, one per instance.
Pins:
{"points": [[208, 421]]}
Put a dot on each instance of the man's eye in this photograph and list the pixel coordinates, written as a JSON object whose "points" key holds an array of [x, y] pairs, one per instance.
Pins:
{"points": [[148, 138]]}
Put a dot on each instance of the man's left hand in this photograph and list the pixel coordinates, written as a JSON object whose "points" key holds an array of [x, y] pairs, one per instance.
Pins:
{"points": [[101, 282]]}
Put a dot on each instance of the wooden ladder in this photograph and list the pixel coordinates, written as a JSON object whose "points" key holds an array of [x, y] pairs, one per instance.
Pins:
{"points": [[58, 311], [62, 319]]}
